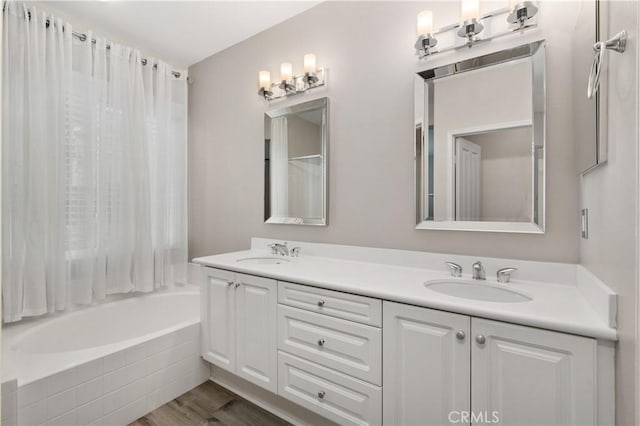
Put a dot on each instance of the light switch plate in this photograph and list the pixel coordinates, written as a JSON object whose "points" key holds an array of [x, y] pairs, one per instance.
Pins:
{"points": [[584, 223]]}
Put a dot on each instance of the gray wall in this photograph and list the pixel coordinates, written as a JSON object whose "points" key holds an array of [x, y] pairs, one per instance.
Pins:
{"points": [[507, 174], [305, 138], [611, 194], [368, 48]]}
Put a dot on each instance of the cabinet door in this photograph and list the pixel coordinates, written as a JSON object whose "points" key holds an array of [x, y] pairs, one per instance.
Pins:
{"points": [[426, 365], [532, 377], [218, 318], [256, 354]]}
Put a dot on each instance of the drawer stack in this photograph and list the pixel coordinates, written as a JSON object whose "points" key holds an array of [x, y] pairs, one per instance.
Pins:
{"points": [[330, 353]]}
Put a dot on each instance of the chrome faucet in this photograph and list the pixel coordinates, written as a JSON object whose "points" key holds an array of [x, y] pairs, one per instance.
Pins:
{"points": [[281, 249], [478, 271], [455, 269], [504, 275]]}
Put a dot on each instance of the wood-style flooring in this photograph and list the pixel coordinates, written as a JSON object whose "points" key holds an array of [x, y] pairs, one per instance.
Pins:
{"points": [[209, 404]]}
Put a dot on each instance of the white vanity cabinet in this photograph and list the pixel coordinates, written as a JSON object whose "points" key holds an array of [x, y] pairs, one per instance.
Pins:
{"points": [[218, 323], [330, 353], [439, 367], [239, 325], [358, 360], [427, 365], [531, 376]]}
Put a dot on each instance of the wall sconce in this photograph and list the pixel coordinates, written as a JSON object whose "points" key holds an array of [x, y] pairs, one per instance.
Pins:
{"points": [[290, 84], [286, 77], [521, 12], [264, 81], [471, 25], [424, 29], [309, 69]]}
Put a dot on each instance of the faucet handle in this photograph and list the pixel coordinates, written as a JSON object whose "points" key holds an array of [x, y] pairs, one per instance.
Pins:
{"points": [[504, 275], [454, 268], [273, 247], [295, 251]]}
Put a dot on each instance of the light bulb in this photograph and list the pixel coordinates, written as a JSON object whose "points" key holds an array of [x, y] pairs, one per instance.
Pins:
{"points": [[264, 80], [425, 23], [469, 9], [286, 71], [309, 63]]}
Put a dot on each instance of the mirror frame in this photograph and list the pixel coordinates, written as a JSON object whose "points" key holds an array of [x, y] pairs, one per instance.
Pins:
{"points": [[323, 104], [602, 95], [535, 50]]}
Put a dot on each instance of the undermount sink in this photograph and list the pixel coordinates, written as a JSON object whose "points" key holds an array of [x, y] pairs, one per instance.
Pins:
{"points": [[477, 291], [263, 260]]}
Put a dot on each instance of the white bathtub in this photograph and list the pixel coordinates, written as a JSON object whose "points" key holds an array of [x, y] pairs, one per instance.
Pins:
{"points": [[108, 364]]}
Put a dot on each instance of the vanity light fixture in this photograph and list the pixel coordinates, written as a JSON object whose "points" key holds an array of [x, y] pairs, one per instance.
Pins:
{"points": [[470, 25], [289, 83], [309, 69], [424, 29], [264, 82], [521, 12], [519, 17], [286, 77]]}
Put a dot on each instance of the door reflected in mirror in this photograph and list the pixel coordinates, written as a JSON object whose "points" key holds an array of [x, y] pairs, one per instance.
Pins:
{"points": [[493, 176], [295, 164]]}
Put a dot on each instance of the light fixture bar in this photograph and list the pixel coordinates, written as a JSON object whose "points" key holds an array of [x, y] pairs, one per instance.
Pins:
{"points": [[451, 27], [299, 84], [520, 26], [481, 40]]}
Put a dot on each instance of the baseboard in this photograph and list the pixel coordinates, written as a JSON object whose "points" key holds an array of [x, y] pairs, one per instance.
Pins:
{"points": [[269, 401]]}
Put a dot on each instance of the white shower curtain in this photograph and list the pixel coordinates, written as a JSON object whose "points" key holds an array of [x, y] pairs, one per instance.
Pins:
{"points": [[279, 165], [94, 168]]}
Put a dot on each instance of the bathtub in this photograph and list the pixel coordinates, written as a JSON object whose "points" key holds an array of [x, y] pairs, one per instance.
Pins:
{"points": [[108, 364]]}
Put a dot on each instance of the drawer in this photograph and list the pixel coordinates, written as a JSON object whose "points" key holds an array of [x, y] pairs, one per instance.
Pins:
{"points": [[349, 347], [336, 396], [334, 303]]}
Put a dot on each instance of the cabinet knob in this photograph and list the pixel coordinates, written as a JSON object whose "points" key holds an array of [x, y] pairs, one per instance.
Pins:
{"points": [[480, 339], [237, 285], [321, 342], [321, 303], [460, 335], [321, 394], [230, 283]]}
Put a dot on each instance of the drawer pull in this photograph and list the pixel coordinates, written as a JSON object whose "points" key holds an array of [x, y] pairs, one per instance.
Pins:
{"points": [[230, 283], [480, 339], [321, 394], [460, 335], [321, 303], [321, 342]]}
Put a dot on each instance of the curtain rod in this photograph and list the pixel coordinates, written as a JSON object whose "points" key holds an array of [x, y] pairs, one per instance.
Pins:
{"points": [[83, 37]]}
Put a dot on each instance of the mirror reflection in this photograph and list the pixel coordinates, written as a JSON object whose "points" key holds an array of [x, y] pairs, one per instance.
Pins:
{"points": [[494, 159], [482, 166], [295, 164]]}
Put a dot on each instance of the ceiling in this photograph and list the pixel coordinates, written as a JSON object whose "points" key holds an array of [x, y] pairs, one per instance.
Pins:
{"points": [[179, 32]]}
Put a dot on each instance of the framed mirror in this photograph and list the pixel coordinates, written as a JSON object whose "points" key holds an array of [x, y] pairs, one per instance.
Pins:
{"points": [[480, 168], [590, 115], [295, 164]]}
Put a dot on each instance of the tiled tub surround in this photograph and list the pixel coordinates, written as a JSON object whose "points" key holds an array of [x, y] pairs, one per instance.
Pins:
{"points": [[9, 402], [70, 379]]}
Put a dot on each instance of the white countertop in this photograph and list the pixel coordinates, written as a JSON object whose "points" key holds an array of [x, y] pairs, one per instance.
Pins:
{"points": [[554, 306]]}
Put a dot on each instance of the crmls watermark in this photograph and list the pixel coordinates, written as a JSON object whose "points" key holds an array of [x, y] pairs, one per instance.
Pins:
{"points": [[474, 417]]}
